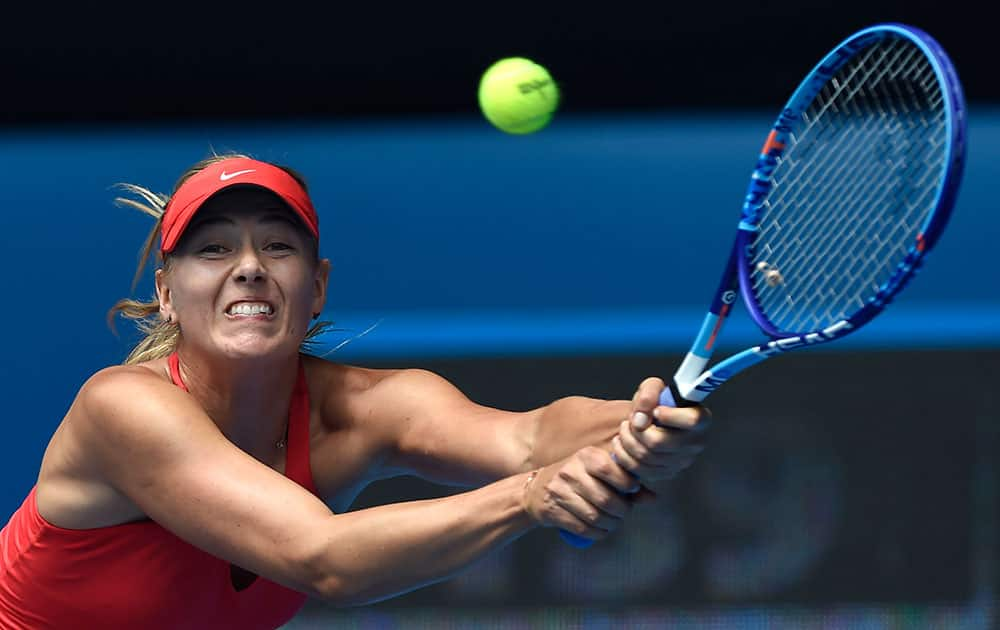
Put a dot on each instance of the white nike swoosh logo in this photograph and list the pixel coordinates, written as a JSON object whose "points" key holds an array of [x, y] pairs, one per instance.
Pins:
{"points": [[227, 176]]}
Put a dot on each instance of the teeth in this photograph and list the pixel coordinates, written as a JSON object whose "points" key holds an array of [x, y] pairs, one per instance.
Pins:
{"points": [[250, 308]]}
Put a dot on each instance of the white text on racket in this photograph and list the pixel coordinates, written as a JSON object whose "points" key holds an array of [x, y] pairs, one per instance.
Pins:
{"points": [[713, 379]]}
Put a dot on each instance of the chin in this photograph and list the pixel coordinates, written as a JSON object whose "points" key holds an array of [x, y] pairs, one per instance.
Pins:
{"points": [[256, 347]]}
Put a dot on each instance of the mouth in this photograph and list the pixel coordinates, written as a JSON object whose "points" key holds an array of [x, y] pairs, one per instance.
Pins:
{"points": [[250, 310]]}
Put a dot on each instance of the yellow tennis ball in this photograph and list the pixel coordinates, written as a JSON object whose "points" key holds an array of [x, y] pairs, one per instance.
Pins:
{"points": [[517, 95]]}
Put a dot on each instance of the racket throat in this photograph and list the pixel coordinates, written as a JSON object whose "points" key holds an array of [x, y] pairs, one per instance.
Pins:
{"points": [[683, 386]]}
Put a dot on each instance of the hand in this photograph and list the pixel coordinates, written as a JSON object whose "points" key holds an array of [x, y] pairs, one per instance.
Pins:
{"points": [[655, 441], [586, 494]]}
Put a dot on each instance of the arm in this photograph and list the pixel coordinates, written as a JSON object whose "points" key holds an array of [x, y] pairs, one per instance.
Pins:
{"points": [[439, 434], [155, 445], [649, 440]]}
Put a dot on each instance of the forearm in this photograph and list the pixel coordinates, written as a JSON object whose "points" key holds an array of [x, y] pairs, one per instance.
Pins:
{"points": [[569, 424], [384, 551]]}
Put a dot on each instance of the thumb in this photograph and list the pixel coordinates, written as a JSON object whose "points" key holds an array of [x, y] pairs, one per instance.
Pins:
{"points": [[641, 420]]}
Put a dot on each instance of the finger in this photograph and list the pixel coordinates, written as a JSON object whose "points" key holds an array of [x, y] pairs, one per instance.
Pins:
{"points": [[646, 399], [625, 460], [571, 523], [648, 395], [606, 471], [641, 420], [590, 514], [608, 499], [691, 419], [635, 445], [665, 441], [660, 466], [563, 506]]}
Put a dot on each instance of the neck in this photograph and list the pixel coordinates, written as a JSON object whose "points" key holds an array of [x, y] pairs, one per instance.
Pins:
{"points": [[248, 399]]}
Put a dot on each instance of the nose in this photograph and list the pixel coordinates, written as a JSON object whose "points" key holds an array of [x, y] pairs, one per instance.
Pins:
{"points": [[249, 268]]}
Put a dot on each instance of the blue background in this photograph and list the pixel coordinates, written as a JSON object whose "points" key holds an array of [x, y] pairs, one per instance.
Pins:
{"points": [[854, 489], [599, 235]]}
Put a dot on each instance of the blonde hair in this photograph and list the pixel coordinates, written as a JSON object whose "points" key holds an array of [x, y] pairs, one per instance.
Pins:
{"points": [[160, 336]]}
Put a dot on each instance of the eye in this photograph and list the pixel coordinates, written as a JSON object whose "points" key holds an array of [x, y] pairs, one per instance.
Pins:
{"points": [[278, 246], [212, 248]]}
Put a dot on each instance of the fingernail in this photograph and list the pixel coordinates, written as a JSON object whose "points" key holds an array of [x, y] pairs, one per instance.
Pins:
{"points": [[640, 420]]}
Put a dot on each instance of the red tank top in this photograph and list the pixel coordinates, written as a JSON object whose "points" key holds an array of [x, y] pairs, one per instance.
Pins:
{"points": [[139, 575]]}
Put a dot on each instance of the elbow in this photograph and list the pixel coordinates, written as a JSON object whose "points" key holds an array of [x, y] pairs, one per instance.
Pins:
{"points": [[321, 577], [341, 593], [333, 590], [345, 589]]}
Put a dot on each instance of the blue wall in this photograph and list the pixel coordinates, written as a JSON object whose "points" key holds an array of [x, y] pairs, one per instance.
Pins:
{"points": [[597, 235]]}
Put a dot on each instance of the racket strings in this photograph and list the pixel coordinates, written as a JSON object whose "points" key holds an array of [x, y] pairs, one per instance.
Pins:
{"points": [[824, 175], [851, 250], [857, 180], [853, 254], [910, 170], [839, 241]]}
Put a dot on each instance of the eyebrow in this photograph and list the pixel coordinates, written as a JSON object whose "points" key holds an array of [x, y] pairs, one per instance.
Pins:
{"points": [[276, 217], [198, 222], [270, 218]]}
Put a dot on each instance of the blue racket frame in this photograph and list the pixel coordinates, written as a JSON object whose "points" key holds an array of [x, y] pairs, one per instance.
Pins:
{"points": [[692, 383]]}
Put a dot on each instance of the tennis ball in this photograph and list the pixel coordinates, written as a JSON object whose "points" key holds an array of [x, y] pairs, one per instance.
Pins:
{"points": [[517, 95]]}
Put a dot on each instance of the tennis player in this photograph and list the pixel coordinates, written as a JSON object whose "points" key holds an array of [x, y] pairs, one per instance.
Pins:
{"points": [[206, 482]]}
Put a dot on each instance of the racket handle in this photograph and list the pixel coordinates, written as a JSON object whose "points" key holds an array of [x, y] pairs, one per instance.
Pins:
{"points": [[574, 540], [670, 397], [579, 541], [667, 397]]}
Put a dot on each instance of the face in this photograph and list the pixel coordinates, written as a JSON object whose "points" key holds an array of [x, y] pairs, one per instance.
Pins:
{"points": [[244, 280]]}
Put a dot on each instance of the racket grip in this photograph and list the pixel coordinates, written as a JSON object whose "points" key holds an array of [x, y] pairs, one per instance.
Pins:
{"points": [[671, 397], [574, 540], [667, 398], [579, 541]]}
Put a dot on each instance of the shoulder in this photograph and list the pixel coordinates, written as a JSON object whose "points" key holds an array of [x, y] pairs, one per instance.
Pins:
{"points": [[134, 404], [123, 385], [117, 377], [112, 429]]}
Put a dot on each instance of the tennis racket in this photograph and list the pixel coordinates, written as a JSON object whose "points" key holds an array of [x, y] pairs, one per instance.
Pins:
{"points": [[852, 189]]}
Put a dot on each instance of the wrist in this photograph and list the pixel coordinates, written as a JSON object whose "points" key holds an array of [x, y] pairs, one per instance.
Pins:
{"points": [[526, 488]]}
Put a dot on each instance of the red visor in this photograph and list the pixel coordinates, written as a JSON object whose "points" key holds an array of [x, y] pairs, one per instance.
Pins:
{"points": [[221, 175]]}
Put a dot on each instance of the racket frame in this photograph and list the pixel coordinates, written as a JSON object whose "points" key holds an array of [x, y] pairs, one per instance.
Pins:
{"points": [[692, 383]]}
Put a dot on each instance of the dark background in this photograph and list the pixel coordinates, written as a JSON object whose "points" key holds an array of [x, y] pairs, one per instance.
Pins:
{"points": [[177, 62], [842, 488]]}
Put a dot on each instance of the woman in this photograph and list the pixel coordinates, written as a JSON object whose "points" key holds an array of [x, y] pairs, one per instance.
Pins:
{"points": [[219, 452]]}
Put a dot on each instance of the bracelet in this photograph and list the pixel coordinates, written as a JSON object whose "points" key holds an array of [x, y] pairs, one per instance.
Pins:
{"points": [[524, 492], [531, 477]]}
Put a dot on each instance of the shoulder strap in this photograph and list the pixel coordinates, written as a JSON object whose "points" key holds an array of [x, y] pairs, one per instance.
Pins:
{"points": [[297, 466], [175, 371]]}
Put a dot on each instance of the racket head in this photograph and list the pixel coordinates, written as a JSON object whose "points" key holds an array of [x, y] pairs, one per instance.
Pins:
{"points": [[854, 185]]}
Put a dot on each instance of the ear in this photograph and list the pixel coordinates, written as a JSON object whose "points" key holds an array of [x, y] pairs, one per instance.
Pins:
{"points": [[319, 285], [164, 297]]}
